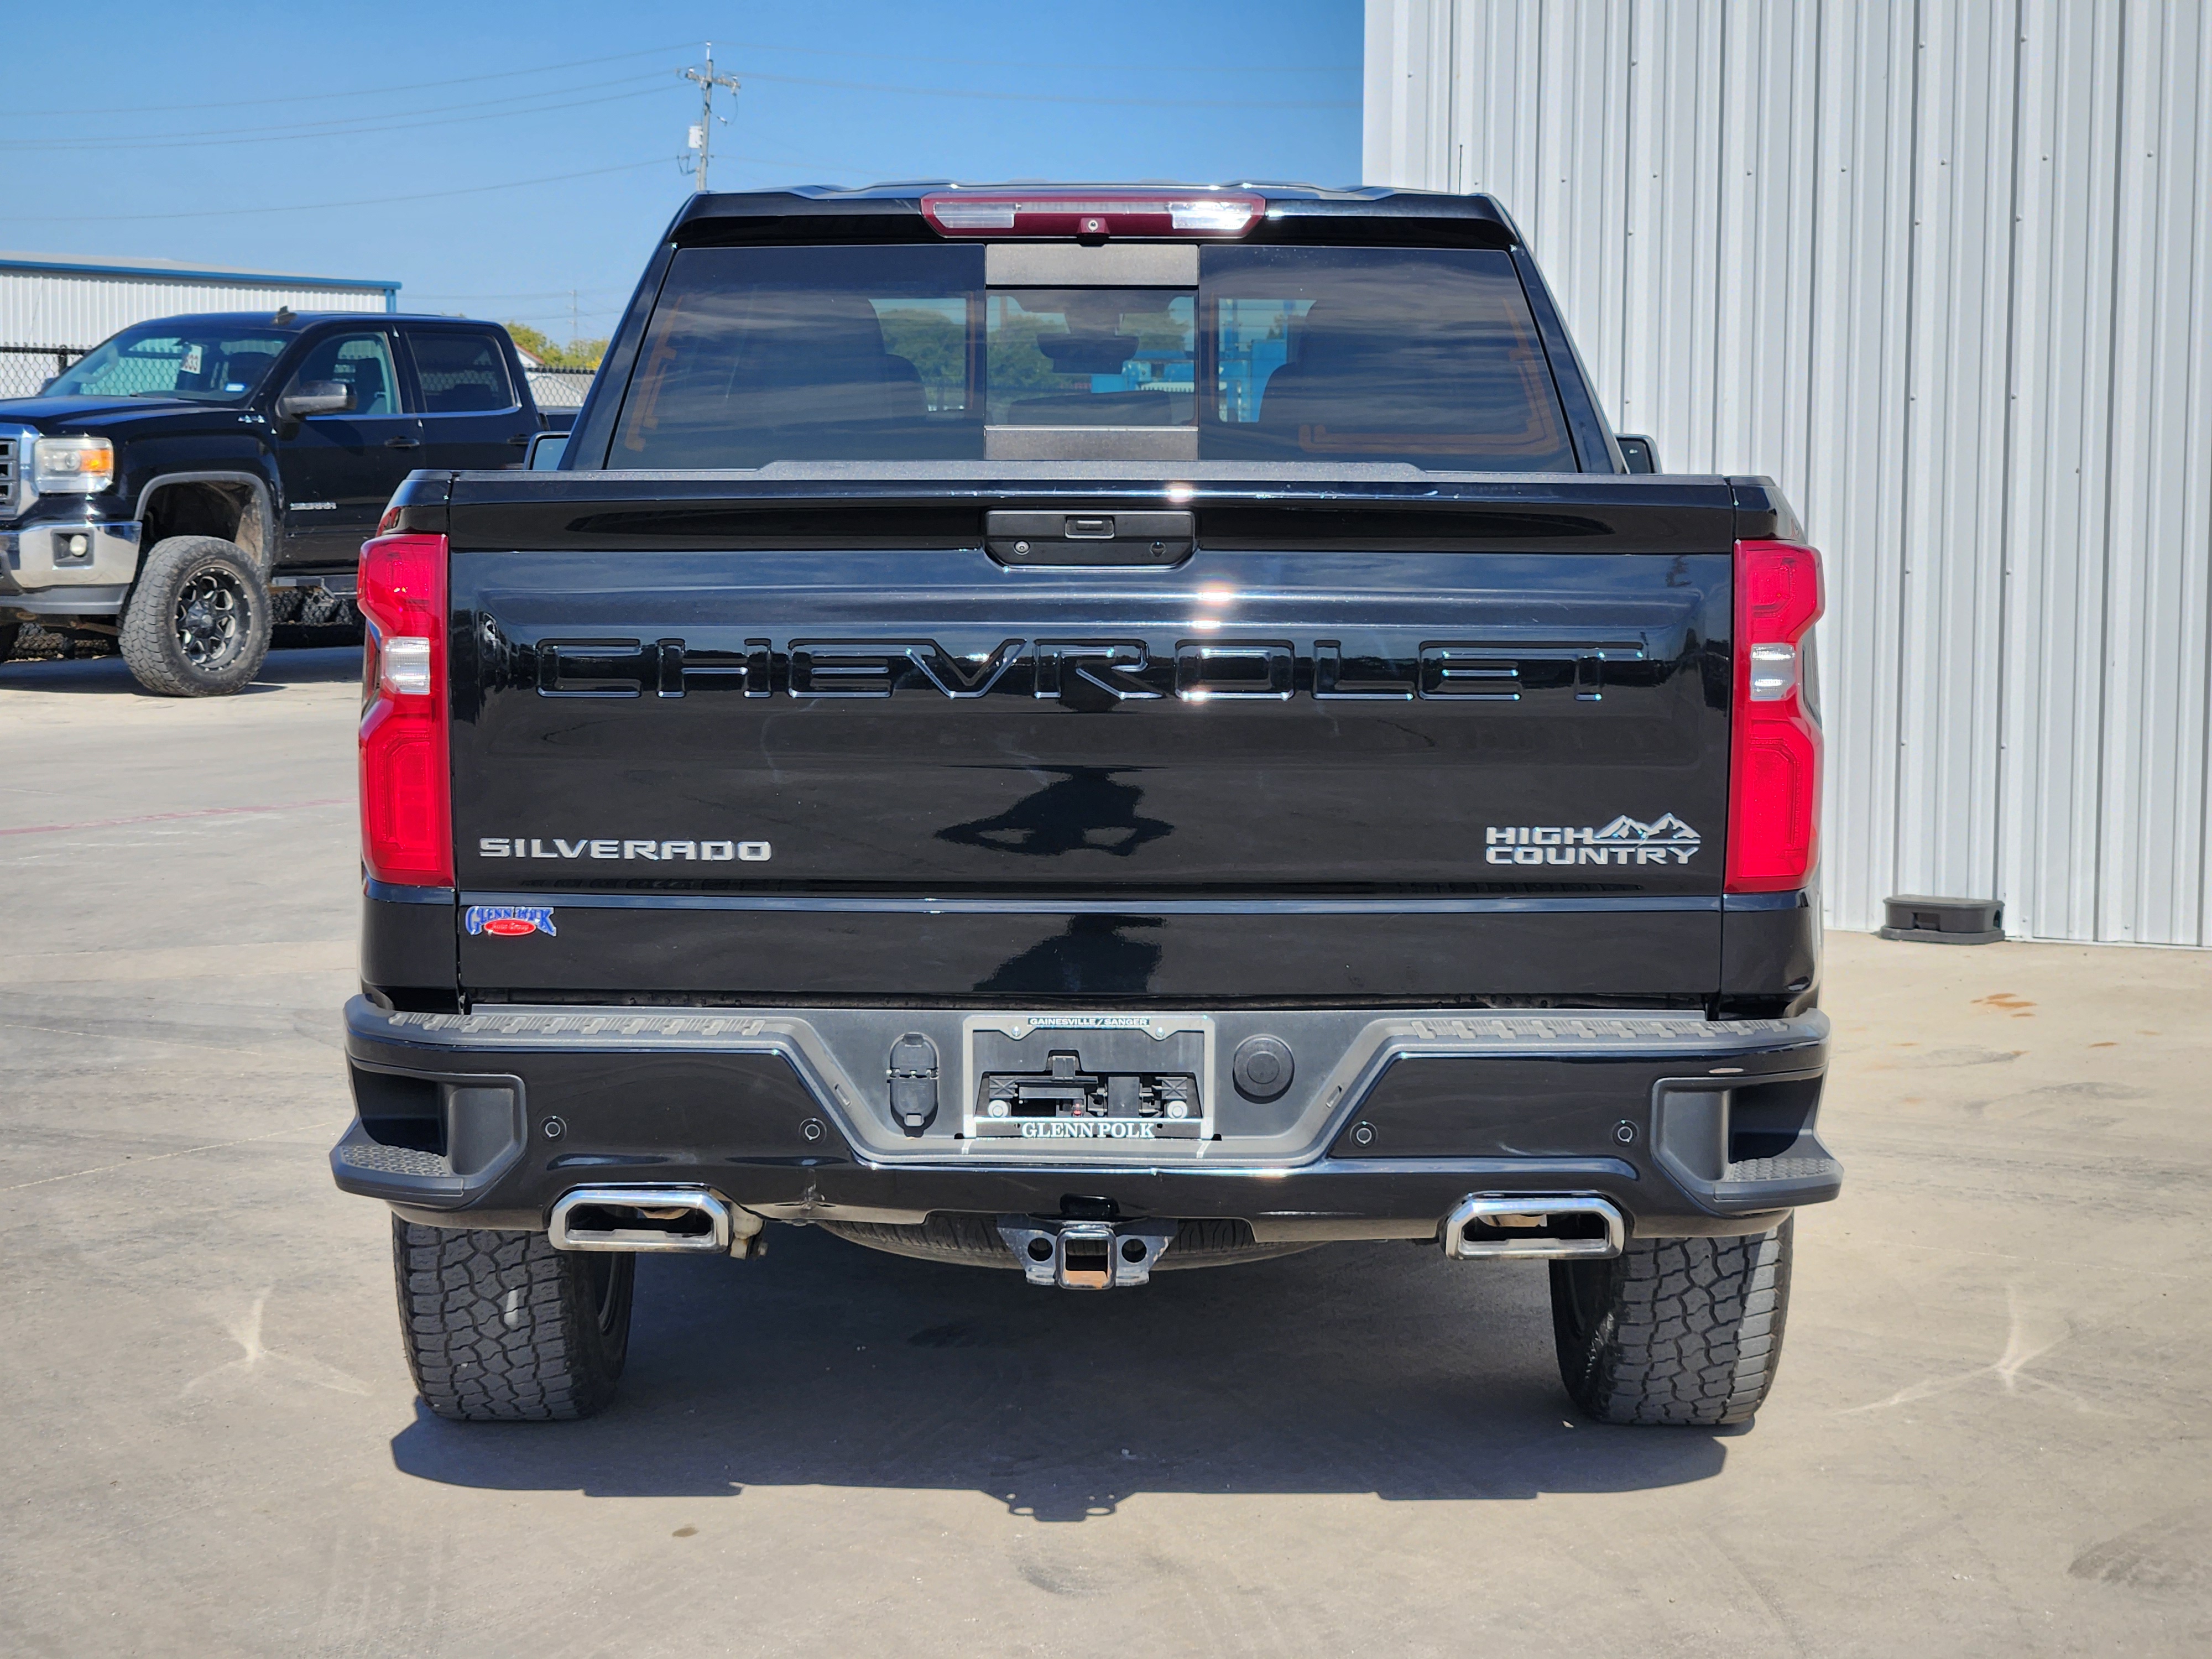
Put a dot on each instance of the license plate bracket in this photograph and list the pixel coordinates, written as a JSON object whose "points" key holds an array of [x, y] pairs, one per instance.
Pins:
{"points": [[1105, 1081]]}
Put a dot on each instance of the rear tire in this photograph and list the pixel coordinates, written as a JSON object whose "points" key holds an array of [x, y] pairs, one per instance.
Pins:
{"points": [[1674, 1330], [501, 1328], [196, 623]]}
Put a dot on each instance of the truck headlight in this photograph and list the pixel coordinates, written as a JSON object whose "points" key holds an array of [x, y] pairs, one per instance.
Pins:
{"points": [[77, 466]]}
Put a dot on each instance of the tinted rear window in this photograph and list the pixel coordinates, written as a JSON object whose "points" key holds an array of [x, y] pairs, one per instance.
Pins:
{"points": [[902, 352], [1426, 356], [799, 354], [460, 374]]}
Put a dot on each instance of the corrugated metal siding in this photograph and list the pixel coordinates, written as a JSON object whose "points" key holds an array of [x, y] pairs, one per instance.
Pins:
{"points": [[1944, 268], [78, 309]]}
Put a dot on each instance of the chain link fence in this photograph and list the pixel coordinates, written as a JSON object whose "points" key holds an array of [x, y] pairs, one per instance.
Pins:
{"points": [[24, 369], [560, 388]]}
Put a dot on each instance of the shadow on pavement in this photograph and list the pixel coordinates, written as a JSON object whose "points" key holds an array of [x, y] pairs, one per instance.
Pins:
{"points": [[109, 675], [1355, 1368]]}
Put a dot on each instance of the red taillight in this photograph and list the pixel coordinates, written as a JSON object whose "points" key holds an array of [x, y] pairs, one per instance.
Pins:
{"points": [[1088, 213], [1774, 750], [406, 809]]}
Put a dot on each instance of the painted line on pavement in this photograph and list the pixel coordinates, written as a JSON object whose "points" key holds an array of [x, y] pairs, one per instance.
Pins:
{"points": [[181, 1151], [163, 817]]}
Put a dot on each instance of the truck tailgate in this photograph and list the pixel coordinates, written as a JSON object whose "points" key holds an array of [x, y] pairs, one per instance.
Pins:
{"points": [[1440, 750]]}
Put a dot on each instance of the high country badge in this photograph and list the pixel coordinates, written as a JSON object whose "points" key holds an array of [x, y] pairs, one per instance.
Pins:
{"points": [[1667, 840]]}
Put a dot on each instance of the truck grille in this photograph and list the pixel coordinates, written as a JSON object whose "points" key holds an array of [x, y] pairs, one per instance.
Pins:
{"points": [[11, 448]]}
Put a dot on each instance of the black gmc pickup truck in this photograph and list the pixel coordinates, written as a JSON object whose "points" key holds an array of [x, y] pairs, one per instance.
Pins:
{"points": [[1091, 731], [192, 480]]}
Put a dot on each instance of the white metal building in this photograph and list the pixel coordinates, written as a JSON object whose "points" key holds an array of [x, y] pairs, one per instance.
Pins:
{"points": [[53, 309], [1943, 268]]}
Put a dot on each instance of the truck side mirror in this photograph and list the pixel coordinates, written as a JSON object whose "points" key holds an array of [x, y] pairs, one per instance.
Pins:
{"points": [[1638, 453], [315, 397]]}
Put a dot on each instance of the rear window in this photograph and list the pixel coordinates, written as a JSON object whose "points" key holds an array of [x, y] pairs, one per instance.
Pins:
{"points": [[460, 374], [1426, 356], [904, 353], [792, 354]]}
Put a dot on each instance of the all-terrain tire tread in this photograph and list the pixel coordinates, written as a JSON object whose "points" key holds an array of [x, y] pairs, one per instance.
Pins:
{"points": [[145, 634], [1688, 1330], [500, 1326]]}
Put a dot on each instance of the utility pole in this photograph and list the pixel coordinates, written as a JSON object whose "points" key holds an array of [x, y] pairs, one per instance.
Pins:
{"points": [[703, 133]]}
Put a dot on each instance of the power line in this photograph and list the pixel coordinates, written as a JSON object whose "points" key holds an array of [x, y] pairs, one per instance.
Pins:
{"points": [[366, 92], [385, 121], [184, 142], [341, 125], [1155, 68], [424, 196], [576, 330], [529, 294], [367, 201], [1059, 97]]}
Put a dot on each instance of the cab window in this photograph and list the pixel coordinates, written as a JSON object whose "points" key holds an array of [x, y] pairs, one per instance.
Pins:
{"points": [[460, 374], [363, 361]]}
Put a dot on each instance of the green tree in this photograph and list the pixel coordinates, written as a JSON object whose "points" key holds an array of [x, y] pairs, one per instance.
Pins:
{"points": [[577, 354], [936, 345], [1017, 365]]}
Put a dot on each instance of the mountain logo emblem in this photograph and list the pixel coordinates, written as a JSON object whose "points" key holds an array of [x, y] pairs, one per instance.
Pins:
{"points": [[1666, 828]]}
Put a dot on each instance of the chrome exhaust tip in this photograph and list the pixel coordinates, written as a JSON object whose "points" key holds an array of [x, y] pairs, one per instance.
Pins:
{"points": [[1535, 1226], [689, 1218]]}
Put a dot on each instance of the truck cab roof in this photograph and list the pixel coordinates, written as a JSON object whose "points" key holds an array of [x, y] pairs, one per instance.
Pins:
{"points": [[1389, 214], [299, 322]]}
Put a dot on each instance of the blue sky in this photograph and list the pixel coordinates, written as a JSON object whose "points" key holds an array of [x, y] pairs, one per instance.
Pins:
{"points": [[146, 135]]}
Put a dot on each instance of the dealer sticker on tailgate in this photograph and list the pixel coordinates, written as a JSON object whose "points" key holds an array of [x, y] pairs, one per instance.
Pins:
{"points": [[509, 920]]}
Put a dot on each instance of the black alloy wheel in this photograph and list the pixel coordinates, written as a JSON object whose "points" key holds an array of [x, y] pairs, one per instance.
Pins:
{"points": [[213, 620]]}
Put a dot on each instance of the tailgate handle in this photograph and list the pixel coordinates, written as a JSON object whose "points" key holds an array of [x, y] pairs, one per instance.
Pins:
{"points": [[1022, 536]]}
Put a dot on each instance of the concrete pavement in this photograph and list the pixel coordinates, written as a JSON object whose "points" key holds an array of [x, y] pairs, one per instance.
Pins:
{"points": [[1991, 1433]]}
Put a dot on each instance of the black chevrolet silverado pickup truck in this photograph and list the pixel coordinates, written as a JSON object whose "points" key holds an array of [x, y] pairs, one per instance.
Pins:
{"points": [[1088, 732], [192, 480]]}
